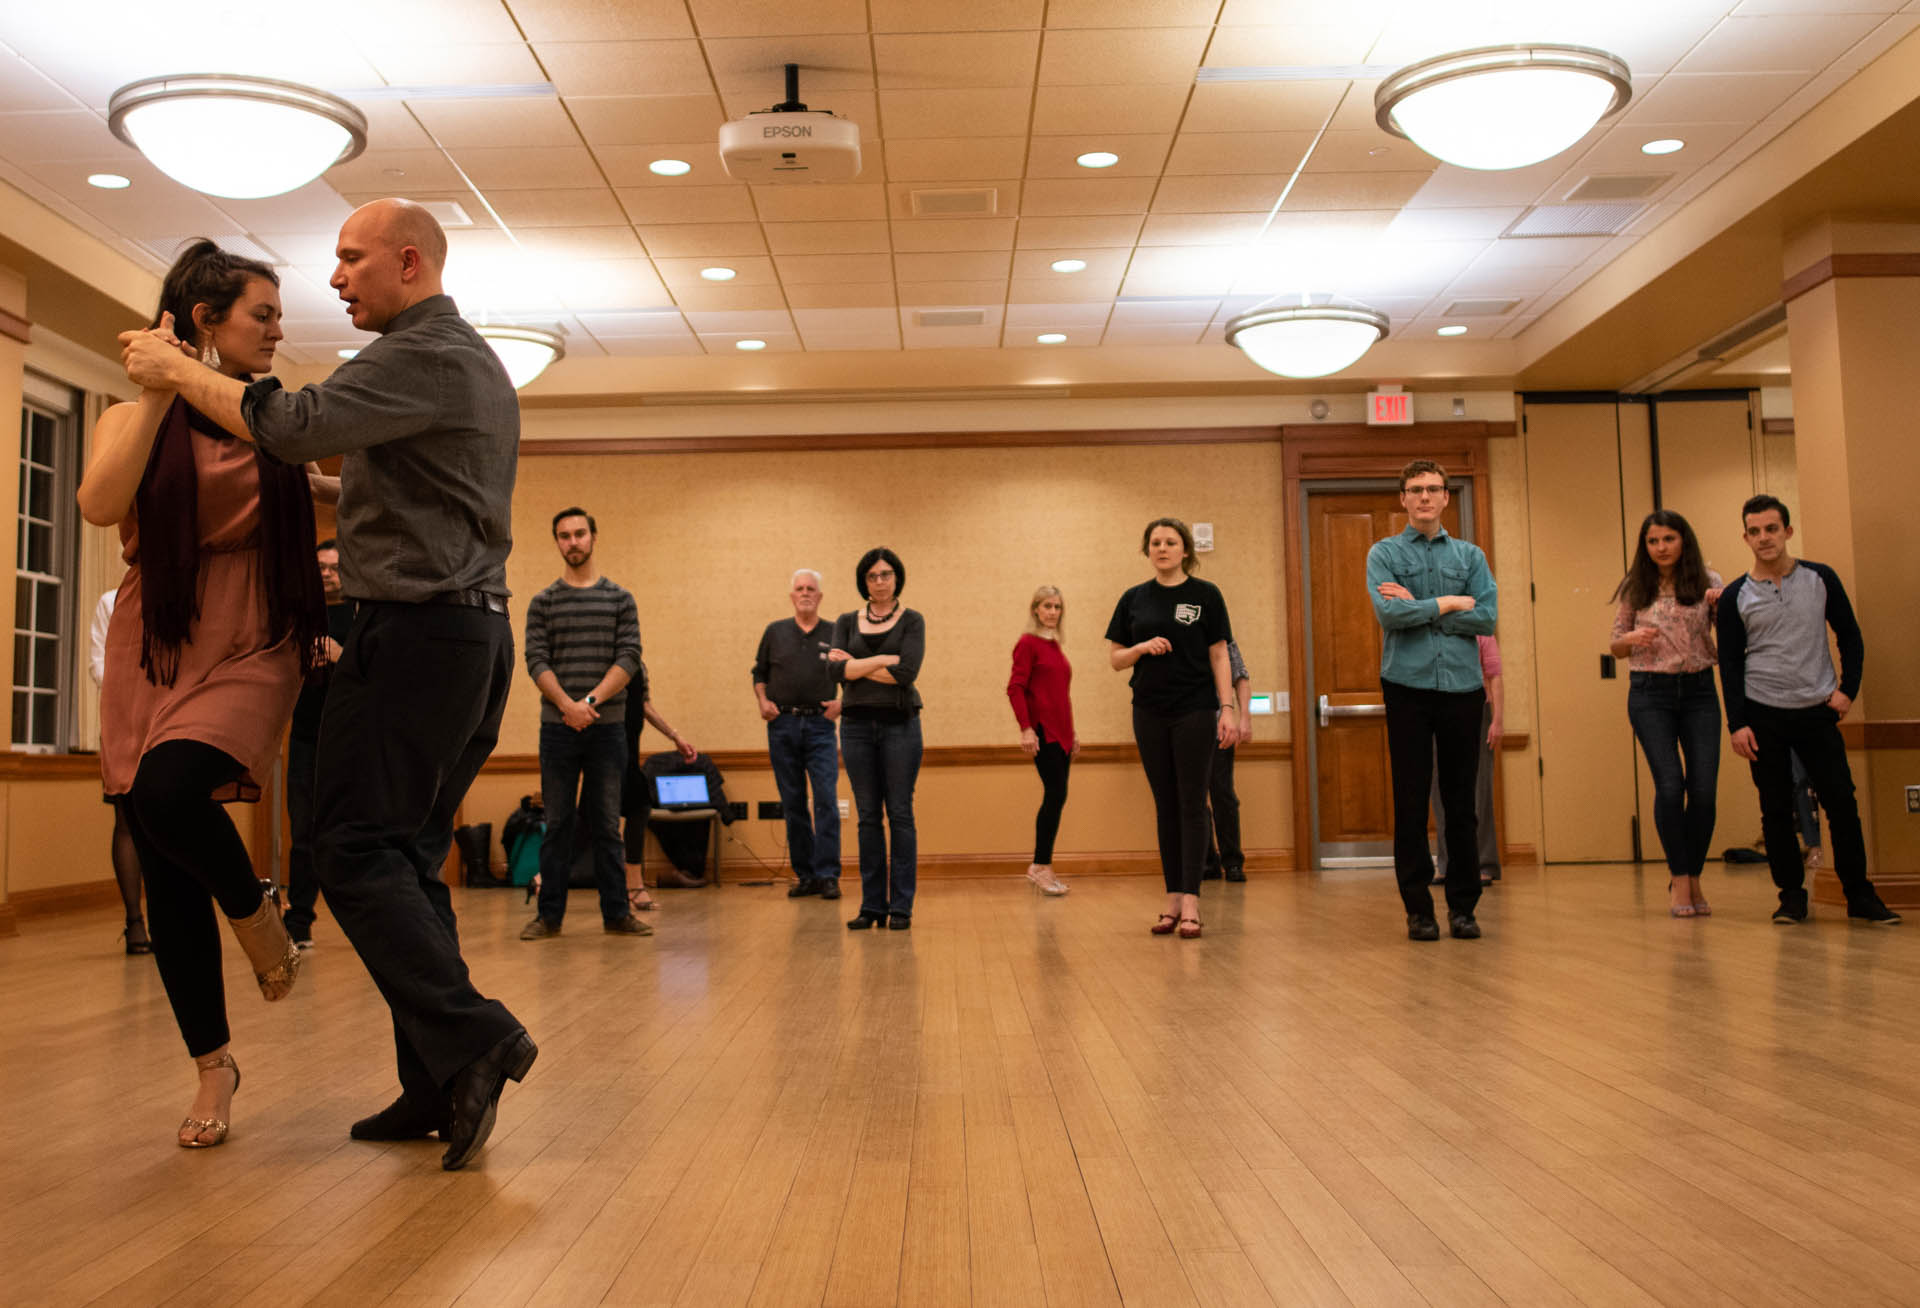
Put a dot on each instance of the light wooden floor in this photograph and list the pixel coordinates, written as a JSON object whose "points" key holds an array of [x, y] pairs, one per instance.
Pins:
{"points": [[1022, 1102]]}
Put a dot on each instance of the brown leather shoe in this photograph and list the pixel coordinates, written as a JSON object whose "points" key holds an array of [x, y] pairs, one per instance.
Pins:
{"points": [[672, 878]]}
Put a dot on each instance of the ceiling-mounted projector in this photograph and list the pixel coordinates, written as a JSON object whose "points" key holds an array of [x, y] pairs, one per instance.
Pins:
{"points": [[791, 143]]}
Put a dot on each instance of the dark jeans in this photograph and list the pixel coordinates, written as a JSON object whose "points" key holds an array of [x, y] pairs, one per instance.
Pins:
{"points": [[1223, 843], [1805, 810], [1814, 734], [1434, 733], [1489, 839], [303, 888], [192, 858], [1676, 716], [580, 775], [1052, 762], [412, 712], [883, 762], [807, 750], [1178, 755]]}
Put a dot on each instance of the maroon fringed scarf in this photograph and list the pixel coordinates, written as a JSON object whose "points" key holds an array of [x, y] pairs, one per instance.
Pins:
{"points": [[168, 509]]}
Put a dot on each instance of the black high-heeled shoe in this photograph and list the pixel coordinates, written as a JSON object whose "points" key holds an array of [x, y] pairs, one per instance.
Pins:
{"points": [[138, 942], [865, 921]]}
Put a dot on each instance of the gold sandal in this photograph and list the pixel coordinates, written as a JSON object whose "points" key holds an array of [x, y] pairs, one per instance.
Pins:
{"points": [[200, 1125], [275, 958]]}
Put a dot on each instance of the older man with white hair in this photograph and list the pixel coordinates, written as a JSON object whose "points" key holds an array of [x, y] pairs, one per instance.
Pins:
{"points": [[800, 703]]}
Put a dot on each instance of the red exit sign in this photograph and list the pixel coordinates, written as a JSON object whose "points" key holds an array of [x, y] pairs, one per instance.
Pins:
{"points": [[1389, 409]]}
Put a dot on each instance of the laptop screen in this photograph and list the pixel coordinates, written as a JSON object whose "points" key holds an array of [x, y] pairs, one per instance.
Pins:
{"points": [[682, 791]]}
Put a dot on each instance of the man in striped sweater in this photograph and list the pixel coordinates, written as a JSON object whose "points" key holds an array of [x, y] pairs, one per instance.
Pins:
{"points": [[583, 647]]}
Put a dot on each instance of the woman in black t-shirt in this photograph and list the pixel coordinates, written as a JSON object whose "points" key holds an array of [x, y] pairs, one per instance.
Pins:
{"points": [[876, 657], [1173, 632]]}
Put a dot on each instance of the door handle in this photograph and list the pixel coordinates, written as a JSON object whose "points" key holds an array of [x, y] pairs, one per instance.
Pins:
{"points": [[1330, 711]]}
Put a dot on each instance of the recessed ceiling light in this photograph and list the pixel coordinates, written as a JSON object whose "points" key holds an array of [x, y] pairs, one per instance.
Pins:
{"points": [[1069, 265], [1098, 159], [749, 345], [1665, 145], [670, 167], [718, 274], [1452, 329], [1052, 338], [347, 354], [108, 181]]}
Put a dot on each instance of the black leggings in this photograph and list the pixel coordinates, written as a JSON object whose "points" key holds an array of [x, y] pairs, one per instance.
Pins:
{"points": [[1052, 763], [1177, 753], [191, 858]]}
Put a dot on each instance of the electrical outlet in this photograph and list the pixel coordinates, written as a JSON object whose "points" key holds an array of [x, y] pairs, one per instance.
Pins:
{"points": [[770, 810], [1913, 799], [739, 810], [843, 809]]}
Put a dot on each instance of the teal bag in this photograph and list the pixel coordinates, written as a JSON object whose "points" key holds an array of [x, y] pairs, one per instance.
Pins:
{"points": [[523, 860]]}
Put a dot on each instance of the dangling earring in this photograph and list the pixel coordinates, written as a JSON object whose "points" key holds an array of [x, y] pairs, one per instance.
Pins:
{"points": [[210, 356]]}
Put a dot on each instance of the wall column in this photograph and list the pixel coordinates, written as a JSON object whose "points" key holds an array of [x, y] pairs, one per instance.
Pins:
{"points": [[1852, 291], [14, 332]]}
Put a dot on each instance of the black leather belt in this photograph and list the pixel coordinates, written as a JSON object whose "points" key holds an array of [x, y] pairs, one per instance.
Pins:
{"points": [[470, 599], [803, 710]]}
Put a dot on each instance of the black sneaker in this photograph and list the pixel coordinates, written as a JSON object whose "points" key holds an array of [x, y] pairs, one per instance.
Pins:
{"points": [[802, 888], [829, 889], [1872, 910], [539, 929], [1421, 926], [1463, 927], [1787, 915]]}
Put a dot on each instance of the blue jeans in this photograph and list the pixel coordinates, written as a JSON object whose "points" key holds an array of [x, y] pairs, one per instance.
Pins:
{"points": [[807, 749], [883, 761], [589, 764], [1676, 716]]}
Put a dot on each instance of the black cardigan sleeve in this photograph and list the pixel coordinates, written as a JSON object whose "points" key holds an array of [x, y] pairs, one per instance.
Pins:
{"points": [[1731, 633]]}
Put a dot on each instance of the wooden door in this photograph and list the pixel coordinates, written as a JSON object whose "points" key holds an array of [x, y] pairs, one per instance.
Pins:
{"points": [[1353, 789]]}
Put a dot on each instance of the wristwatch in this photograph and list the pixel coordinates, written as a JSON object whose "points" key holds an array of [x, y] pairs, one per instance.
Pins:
{"points": [[589, 701]]}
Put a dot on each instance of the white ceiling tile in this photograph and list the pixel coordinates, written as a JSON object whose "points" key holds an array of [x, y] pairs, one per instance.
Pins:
{"points": [[1143, 313], [828, 238], [1135, 13], [1085, 233], [68, 134], [22, 87], [725, 343], [1163, 333], [695, 204], [755, 67], [548, 169], [817, 342], [601, 20], [820, 202], [1449, 187], [1778, 43], [1091, 314], [741, 322], [641, 347], [1262, 106], [1561, 252], [937, 114], [627, 166], [522, 121], [154, 205], [309, 249], [1714, 98], [748, 270], [944, 16], [1093, 110], [1750, 7], [1052, 288], [440, 64], [1294, 44], [764, 17], [1516, 282], [1108, 57], [582, 207], [847, 320], [698, 240], [1222, 153], [922, 235], [946, 338], [955, 60], [654, 322], [644, 119], [840, 269], [623, 67], [953, 293], [1047, 198], [842, 295], [315, 207], [1452, 224]]}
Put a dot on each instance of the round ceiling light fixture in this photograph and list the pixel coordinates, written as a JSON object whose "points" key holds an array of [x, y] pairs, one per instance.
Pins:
{"points": [[670, 167], [185, 125], [1665, 145], [1296, 338], [1502, 106], [1068, 265], [108, 181], [1098, 159], [718, 274], [524, 351]]}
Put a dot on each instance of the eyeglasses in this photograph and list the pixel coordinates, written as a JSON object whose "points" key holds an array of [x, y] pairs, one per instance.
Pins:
{"points": [[1424, 490], [880, 574]]}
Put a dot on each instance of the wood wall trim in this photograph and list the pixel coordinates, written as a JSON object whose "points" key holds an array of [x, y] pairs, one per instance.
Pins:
{"points": [[935, 756], [1836, 266], [49, 767], [14, 326], [9, 919], [1776, 426], [1888, 733], [944, 440], [48, 900]]}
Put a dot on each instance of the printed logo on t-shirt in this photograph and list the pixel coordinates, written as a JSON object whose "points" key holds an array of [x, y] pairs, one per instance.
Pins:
{"points": [[1186, 614]]}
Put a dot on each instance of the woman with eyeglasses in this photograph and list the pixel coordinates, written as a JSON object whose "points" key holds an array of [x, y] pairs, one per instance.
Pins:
{"points": [[876, 657], [1664, 628], [1172, 630]]}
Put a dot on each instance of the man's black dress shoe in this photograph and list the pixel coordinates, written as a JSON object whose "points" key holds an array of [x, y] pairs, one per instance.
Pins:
{"points": [[830, 889], [1422, 927], [1236, 874], [474, 1097], [802, 888], [400, 1120], [1463, 926], [899, 922]]}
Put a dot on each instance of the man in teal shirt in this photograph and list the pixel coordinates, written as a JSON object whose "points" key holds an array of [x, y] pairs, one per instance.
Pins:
{"points": [[1433, 595]]}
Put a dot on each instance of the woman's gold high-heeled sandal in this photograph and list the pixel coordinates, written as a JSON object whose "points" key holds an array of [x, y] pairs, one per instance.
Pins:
{"points": [[192, 1128], [268, 947]]}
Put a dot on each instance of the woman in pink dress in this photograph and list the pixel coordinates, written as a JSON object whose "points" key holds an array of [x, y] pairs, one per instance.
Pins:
{"points": [[218, 619]]}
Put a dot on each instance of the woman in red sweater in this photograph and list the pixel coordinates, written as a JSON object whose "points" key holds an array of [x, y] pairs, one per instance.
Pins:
{"points": [[1039, 688]]}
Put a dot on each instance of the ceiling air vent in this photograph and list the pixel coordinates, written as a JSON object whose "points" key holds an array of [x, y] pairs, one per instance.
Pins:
{"points": [[1480, 308], [950, 317], [447, 212], [1574, 220], [1603, 187], [973, 202]]}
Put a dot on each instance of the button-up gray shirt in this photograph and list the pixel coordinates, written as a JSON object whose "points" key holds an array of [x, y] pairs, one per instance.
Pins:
{"points": [[430, 428]]}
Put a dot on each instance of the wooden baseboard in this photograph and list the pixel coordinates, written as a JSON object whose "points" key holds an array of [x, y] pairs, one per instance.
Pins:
{"points": [[1899, 890], [1518, 854], [9, 919], [49, 900]]}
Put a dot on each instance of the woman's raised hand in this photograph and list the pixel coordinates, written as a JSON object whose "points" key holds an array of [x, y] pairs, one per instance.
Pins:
{"points": [[1156, 645]]}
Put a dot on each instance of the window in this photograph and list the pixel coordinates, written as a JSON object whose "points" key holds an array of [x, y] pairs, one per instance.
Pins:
{"points": [[43, 620]]}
